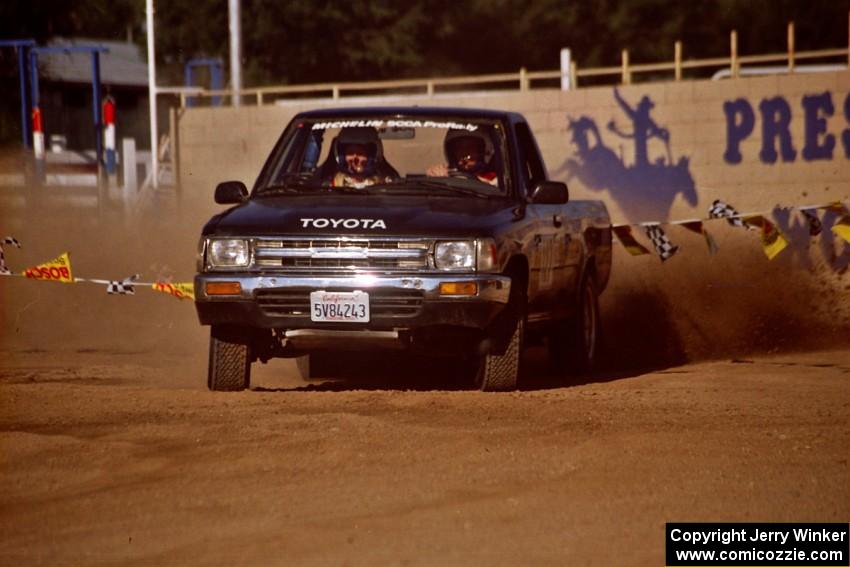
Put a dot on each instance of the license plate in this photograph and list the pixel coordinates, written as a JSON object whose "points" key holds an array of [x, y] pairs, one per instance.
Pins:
{"points": [[339, 306]]}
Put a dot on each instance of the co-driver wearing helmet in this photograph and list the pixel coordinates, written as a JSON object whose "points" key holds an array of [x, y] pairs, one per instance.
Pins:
{"points": [[358, 157], [468, 154]]}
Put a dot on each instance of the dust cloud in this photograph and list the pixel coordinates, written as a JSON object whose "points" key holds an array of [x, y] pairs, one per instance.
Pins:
{"points": [[696, 306], [158, 243]]}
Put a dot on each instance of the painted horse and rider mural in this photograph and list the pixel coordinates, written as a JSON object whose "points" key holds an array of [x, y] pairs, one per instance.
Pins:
{"points": [[643, 190]]}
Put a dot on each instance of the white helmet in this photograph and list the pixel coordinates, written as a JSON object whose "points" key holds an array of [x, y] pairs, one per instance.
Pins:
{"points": [[479, 137]]}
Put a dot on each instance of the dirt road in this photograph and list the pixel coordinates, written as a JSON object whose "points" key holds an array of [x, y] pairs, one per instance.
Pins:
{"points": [[123, 457]]}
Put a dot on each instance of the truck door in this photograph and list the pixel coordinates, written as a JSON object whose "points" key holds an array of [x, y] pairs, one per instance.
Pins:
{"points": [[547, 246]]}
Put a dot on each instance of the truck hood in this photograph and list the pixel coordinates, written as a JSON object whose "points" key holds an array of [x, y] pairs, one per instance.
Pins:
{"points": [[373, 215]]}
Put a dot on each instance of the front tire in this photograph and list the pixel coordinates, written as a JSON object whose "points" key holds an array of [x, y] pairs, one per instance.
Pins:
{"points": [[229, 367], [500, 372]]}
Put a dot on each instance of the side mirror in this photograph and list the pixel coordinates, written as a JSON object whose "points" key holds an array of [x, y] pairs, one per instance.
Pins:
{"points": [[550, 193], [230, 193]]}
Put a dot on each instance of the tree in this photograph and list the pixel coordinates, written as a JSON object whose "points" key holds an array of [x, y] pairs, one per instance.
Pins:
{"points": [[307, 41], [43, 20]]}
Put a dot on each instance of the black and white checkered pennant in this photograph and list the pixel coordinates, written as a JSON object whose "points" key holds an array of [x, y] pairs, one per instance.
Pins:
{"points": [[663, 247], [124, 287], [721, 210], [7, 240]]}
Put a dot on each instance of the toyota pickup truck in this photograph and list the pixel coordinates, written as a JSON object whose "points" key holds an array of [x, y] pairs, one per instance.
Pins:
{"points": [[431, 230]]}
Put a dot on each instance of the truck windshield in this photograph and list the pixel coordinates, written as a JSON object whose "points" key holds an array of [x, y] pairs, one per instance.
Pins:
{"points": [[372, 154]]}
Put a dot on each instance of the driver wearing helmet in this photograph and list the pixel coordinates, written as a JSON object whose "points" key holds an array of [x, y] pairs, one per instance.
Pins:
{"points": [[468, 154], [358, 154]]}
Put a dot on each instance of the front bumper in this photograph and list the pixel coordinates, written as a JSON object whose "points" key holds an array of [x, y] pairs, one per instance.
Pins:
{"points": [[396, 302]]}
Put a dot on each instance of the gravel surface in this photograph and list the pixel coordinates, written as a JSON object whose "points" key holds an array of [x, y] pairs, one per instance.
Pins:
{"points": [[123, 457]]}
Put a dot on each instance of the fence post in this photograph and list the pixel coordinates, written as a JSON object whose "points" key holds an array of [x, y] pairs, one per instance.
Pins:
{"points": [[128, 161], [733, 48], [335, 92], [37, 131], [573, 74], [174, 133], [23, 50], [790, 47], [627, 76], [259, 98], [565, 69], [523, 79], [429, 88], [677, 49]]}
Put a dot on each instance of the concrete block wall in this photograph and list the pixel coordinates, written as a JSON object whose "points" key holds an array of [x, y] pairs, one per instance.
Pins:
{"points": [[594, 142]]}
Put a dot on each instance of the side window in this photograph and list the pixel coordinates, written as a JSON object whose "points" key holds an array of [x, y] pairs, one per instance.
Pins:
{"points": [[531, 166], [312, 149], [289, 156]]}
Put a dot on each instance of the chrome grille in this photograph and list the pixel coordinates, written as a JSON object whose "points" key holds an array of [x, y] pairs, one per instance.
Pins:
{"points": [[341, 254], [383, 302]]}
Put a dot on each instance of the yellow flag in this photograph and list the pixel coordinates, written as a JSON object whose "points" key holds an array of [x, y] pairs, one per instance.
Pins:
{"points": [[178, 290], [842, 228], [56, 270], [772, 240], [624, 234]]}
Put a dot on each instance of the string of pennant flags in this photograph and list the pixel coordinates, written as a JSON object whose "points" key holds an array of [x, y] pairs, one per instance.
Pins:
{"points": [[773, 242], [59, 270], [772, 239]]}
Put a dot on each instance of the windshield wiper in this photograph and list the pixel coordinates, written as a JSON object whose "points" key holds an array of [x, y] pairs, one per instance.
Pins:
{"points": [[277, 189], [350, 189], [291, 183]]}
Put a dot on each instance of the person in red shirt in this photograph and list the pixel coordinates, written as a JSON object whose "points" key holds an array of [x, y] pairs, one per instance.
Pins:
{"points": [[469, 154]]}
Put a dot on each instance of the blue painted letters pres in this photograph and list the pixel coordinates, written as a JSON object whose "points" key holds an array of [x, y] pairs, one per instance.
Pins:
{"points": [[776, 141]]}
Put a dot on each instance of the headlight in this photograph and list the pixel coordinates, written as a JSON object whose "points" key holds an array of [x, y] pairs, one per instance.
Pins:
{"points": [[228, 253], [455, 255]]}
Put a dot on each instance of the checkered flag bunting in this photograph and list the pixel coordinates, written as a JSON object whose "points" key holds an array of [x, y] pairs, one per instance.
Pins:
{"points": [[124, 287], [721, 210], [7, 240], [698, 227], [663, 247]]}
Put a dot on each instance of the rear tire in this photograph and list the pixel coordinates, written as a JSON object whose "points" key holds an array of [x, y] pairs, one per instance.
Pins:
{"points": [[573, 343], [230, 359]]}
